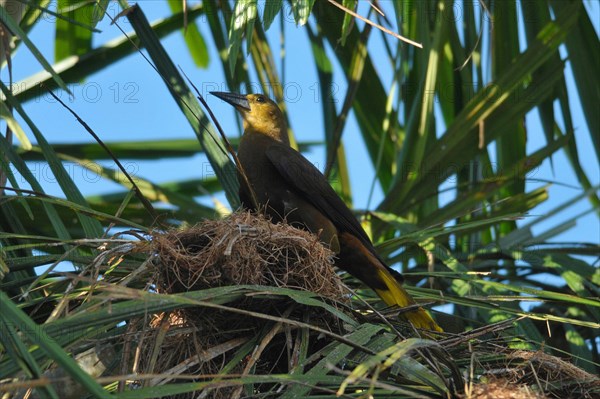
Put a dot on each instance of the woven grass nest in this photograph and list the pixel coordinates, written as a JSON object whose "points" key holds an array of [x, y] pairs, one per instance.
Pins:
{"points": [[242, 249]]}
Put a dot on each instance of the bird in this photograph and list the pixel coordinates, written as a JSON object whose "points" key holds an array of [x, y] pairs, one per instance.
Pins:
{"points": [[288, 187]]}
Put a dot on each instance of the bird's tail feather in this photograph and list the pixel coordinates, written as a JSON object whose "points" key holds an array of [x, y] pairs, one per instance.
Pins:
{"points": [[395, 294], [363, 263]]}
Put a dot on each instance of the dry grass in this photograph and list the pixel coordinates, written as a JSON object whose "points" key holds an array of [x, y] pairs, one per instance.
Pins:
{"points": [[499, 372], [244, 249], [502, 389], [532, 375]]}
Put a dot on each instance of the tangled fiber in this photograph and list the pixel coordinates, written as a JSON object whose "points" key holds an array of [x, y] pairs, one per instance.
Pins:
{"points": [[245, 248]]}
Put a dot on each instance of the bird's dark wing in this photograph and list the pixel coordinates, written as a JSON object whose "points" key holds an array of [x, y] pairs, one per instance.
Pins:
{"points": [[306, 179], [244, 193]]}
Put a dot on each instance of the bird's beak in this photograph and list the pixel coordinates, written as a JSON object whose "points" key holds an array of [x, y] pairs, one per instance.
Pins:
{"points": [[239, 101]]}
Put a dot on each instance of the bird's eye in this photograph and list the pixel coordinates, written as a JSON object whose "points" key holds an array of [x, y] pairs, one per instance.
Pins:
{"points": [[260, 99]]}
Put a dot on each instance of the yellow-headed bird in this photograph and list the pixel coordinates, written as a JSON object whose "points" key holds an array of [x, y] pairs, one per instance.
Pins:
{"points": [[289, 187]]}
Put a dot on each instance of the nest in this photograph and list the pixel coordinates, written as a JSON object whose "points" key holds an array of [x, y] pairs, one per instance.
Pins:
{"points": [[523, 374], [243, 249], [538, 375]]}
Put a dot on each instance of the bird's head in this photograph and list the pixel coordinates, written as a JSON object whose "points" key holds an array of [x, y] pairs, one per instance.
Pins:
{"points": [[259, 112]]}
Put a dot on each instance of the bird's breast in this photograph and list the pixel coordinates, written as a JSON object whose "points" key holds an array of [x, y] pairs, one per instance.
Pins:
{"points": [[279, 198]]}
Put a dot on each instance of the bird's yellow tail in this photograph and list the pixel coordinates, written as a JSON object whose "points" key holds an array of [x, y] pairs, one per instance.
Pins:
{"points": [[395, 294]]}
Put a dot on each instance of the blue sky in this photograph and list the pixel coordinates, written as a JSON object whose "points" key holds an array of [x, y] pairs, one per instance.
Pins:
{"points": [[128, 101]]}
